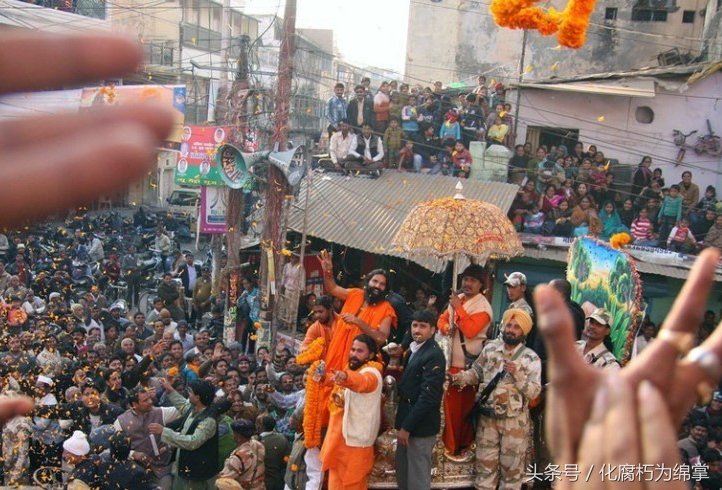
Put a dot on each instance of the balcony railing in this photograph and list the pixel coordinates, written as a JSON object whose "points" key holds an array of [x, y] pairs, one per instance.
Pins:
{"points": [[159, 54]]}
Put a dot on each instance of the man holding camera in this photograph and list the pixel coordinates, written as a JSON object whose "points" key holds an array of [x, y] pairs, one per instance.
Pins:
{"points": [[509, 375]]}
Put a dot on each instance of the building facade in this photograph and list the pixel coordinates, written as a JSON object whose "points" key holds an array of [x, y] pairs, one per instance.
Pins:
{"points": [[457, 40]]}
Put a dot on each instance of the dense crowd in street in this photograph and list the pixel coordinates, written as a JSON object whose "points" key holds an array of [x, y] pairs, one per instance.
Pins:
{"points": [[195, 412]]}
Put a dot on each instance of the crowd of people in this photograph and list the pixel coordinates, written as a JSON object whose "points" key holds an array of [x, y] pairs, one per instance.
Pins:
{"points": [[413, 128], [575, 194], [129, 400], [563, 191], [162, 409]]}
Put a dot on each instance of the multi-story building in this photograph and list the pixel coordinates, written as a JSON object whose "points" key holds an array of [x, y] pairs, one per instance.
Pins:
{"points": [[456, 41]]}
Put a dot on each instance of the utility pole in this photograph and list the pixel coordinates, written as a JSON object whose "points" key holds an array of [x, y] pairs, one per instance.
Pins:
{"points": [[518, 87], [238, 118], [277, 188], [235, 116]]}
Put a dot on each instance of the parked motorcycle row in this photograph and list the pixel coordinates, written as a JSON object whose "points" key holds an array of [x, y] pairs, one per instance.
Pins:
{"points": [[58, 259]]}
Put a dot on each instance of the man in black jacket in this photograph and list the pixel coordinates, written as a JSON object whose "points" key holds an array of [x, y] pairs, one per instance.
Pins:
{"points": [[360, 110], [418, 418], [188, 273]]}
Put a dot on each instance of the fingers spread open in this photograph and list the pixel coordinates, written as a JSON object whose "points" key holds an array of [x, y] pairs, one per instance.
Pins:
{"points": [[19, 132], [621, 440], [557, 328], [51, 61], [657, 432], [89, 163], [658, 361]]}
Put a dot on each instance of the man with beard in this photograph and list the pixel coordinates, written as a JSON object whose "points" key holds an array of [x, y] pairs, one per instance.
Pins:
{"points": [[472, 315], [696, 441], [364, 311], [509, 375], [418, 417], [348, 449]]}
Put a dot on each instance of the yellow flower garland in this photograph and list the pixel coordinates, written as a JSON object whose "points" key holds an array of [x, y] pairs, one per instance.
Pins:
{"points": [[570, 24], [312, 353], [311, 412]]}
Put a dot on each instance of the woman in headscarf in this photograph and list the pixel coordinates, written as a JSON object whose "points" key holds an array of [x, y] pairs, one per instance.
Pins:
{"points": [[611, 221]]}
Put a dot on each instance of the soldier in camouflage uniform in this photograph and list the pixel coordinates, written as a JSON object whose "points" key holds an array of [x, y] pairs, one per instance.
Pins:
{"points": [[597, 328], [502, 436], [244, 468]]}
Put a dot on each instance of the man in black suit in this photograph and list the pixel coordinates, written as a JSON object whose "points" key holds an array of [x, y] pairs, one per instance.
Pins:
{"points": [[418, 418], [188, 273], [360, 110]]}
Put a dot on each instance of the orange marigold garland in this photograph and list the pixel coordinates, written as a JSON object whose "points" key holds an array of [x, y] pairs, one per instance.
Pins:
{"points": [[312, 353], [570, 24], [311, 410], [619, 240]]}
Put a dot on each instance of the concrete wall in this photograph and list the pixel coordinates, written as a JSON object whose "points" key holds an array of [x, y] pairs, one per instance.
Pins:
{"points": [[456, 40], [620, 136]]}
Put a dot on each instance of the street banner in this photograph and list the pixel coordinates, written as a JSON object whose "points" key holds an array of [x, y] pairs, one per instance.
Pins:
{"points": [[213, 210], [196, 164], [604, 277], [173, 96]]}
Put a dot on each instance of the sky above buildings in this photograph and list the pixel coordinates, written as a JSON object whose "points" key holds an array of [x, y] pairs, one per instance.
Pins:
{"points": [[372, 32]]}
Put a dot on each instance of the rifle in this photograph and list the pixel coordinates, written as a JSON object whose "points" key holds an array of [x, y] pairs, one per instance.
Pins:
{"points": [[479, 409]]}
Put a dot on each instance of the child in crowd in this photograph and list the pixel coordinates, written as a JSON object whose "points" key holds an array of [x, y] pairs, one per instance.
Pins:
{"points": [[642, 230], [451, 127], [444, 158], [410, 117], [567, 190], [657, 177], [406, 156], [392, 140], [395, 107], [461, 158], [681, 238], [670, 212], [534, 220]]}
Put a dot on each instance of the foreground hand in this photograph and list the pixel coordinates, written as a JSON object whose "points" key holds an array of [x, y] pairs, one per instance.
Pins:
{"points": [[574, 385], [402, 437], [325, 259], [156, 429], [102, 150]]}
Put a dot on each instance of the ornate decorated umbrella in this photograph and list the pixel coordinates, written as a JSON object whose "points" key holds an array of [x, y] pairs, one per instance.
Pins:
{"points": [[454, 228]]}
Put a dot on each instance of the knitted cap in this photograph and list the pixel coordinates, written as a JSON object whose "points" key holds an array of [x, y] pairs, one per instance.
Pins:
{"points": [[77, 444]]}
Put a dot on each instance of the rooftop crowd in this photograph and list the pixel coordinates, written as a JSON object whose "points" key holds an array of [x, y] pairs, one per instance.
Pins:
{"points": [[563, 191]]}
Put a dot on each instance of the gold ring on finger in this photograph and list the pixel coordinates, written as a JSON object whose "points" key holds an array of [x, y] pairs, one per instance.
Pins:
{"points": [[681, 341]]}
